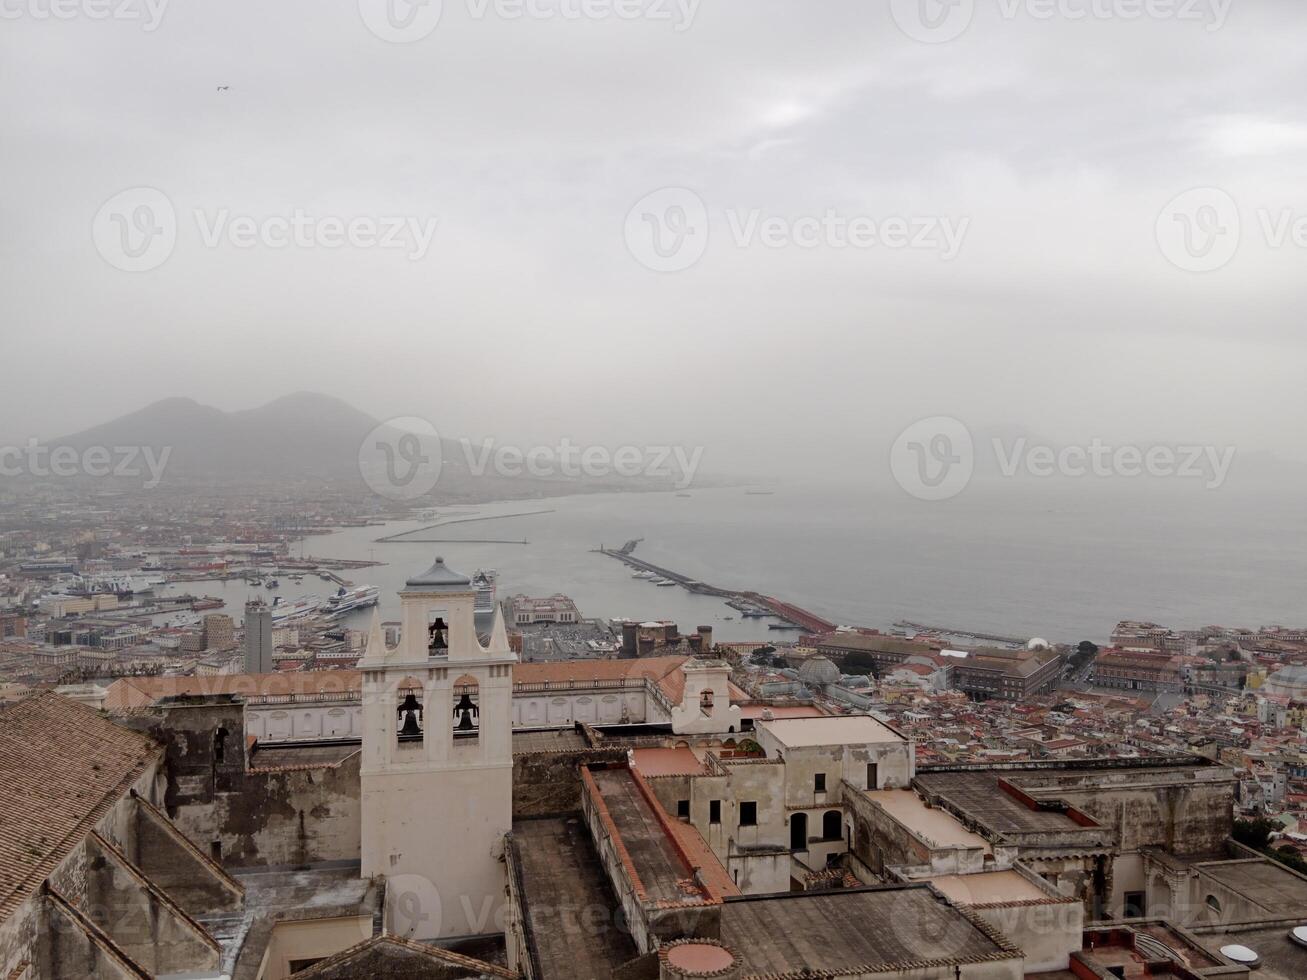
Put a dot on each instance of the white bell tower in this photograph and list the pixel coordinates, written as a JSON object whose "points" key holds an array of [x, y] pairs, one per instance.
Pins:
{"points": [[437, 765]]}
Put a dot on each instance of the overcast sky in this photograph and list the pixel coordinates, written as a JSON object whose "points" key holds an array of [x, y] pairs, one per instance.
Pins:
{"points": [[1051, 146]]}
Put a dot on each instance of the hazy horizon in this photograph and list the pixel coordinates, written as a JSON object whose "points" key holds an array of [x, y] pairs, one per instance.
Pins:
{"points": [[1045, 150]]}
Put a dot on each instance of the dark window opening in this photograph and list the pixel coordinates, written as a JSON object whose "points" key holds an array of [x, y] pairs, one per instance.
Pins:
{"points": [[831, 823], [220, 745], [683, 809], [819, 783], [748, 814], [799, 832], [873, 776], [215, 850], [715, 811], [1136, 905]]}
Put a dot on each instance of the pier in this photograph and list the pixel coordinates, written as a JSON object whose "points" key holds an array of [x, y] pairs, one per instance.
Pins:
{"points": [[751, 604]]}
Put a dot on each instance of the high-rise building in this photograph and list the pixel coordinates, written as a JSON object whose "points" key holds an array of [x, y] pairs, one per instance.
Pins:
{"points": [[219, 632], [258, 638]]}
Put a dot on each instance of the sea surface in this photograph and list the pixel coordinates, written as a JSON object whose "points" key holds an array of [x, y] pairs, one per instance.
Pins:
{"points": [[1018, 560]]}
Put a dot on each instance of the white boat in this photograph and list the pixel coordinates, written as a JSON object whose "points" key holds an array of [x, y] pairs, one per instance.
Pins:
{"points": [[644, 575], [485, 582], [284, 611], [663, 582], [347, 600]]}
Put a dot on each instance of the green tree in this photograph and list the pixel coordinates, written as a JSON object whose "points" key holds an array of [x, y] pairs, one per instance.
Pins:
{"points": [[1255, 833]]}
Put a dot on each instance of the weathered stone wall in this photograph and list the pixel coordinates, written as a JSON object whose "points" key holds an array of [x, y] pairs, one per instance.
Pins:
{"points": [[548, 784], [257, 818], [143, 923]]}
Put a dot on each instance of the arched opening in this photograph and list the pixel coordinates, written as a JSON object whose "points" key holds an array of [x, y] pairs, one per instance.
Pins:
{"points": [[467, 708], [830, 825], [437, 636], [409, 714], [1213, 908], [799, 832]]}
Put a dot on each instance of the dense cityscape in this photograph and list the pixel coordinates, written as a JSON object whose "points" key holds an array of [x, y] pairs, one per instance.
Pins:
{"points": [[105, 606]]}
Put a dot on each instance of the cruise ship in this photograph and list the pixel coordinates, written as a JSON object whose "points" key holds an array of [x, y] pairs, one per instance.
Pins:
{"points": [[484, 581], [347, 600], [284, 611]]}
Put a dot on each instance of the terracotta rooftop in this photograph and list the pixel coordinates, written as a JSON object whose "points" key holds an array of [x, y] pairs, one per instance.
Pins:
{"points": [[62, 766]]}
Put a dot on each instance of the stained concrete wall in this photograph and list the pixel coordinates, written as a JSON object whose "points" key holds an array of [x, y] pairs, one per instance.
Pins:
{"points": [[257, 818], [142, 922]]}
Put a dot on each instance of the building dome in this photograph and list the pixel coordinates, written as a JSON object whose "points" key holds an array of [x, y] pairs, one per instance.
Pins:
{"points": [[818, 672], [1289, 682]]}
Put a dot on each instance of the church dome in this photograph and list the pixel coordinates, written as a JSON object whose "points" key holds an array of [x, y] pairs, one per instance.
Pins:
{"points": [[1290, 682], [818, 672]]}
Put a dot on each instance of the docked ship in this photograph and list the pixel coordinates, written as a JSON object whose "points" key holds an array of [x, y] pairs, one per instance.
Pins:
{"points": [[284, 611], [347, 600], [485, 581]]}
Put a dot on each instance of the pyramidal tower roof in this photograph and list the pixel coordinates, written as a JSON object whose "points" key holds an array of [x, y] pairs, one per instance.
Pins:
{"points": [[439, 578]]}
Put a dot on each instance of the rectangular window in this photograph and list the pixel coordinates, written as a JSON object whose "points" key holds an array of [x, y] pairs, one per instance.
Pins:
{"points": [[748, 814], [683, 809], [873, 776], [715, 811], [819, 783]]}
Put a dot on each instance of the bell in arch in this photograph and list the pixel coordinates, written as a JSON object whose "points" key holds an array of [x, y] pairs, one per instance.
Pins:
{"points": [[464, 712], [439, 642], [411, 712]]}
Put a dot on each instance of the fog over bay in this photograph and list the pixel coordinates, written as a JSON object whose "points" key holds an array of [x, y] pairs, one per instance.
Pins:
{"points": [[1056, 142]]}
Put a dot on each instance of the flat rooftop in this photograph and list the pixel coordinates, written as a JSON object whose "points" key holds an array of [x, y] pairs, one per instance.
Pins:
{"points": [[1282, 958], [979, 794], [856, 931], [935, 825], [756, 711], [667, 762], [1264, 883], [989, 888], [833, 730], [665, 874], [576, 927]]}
